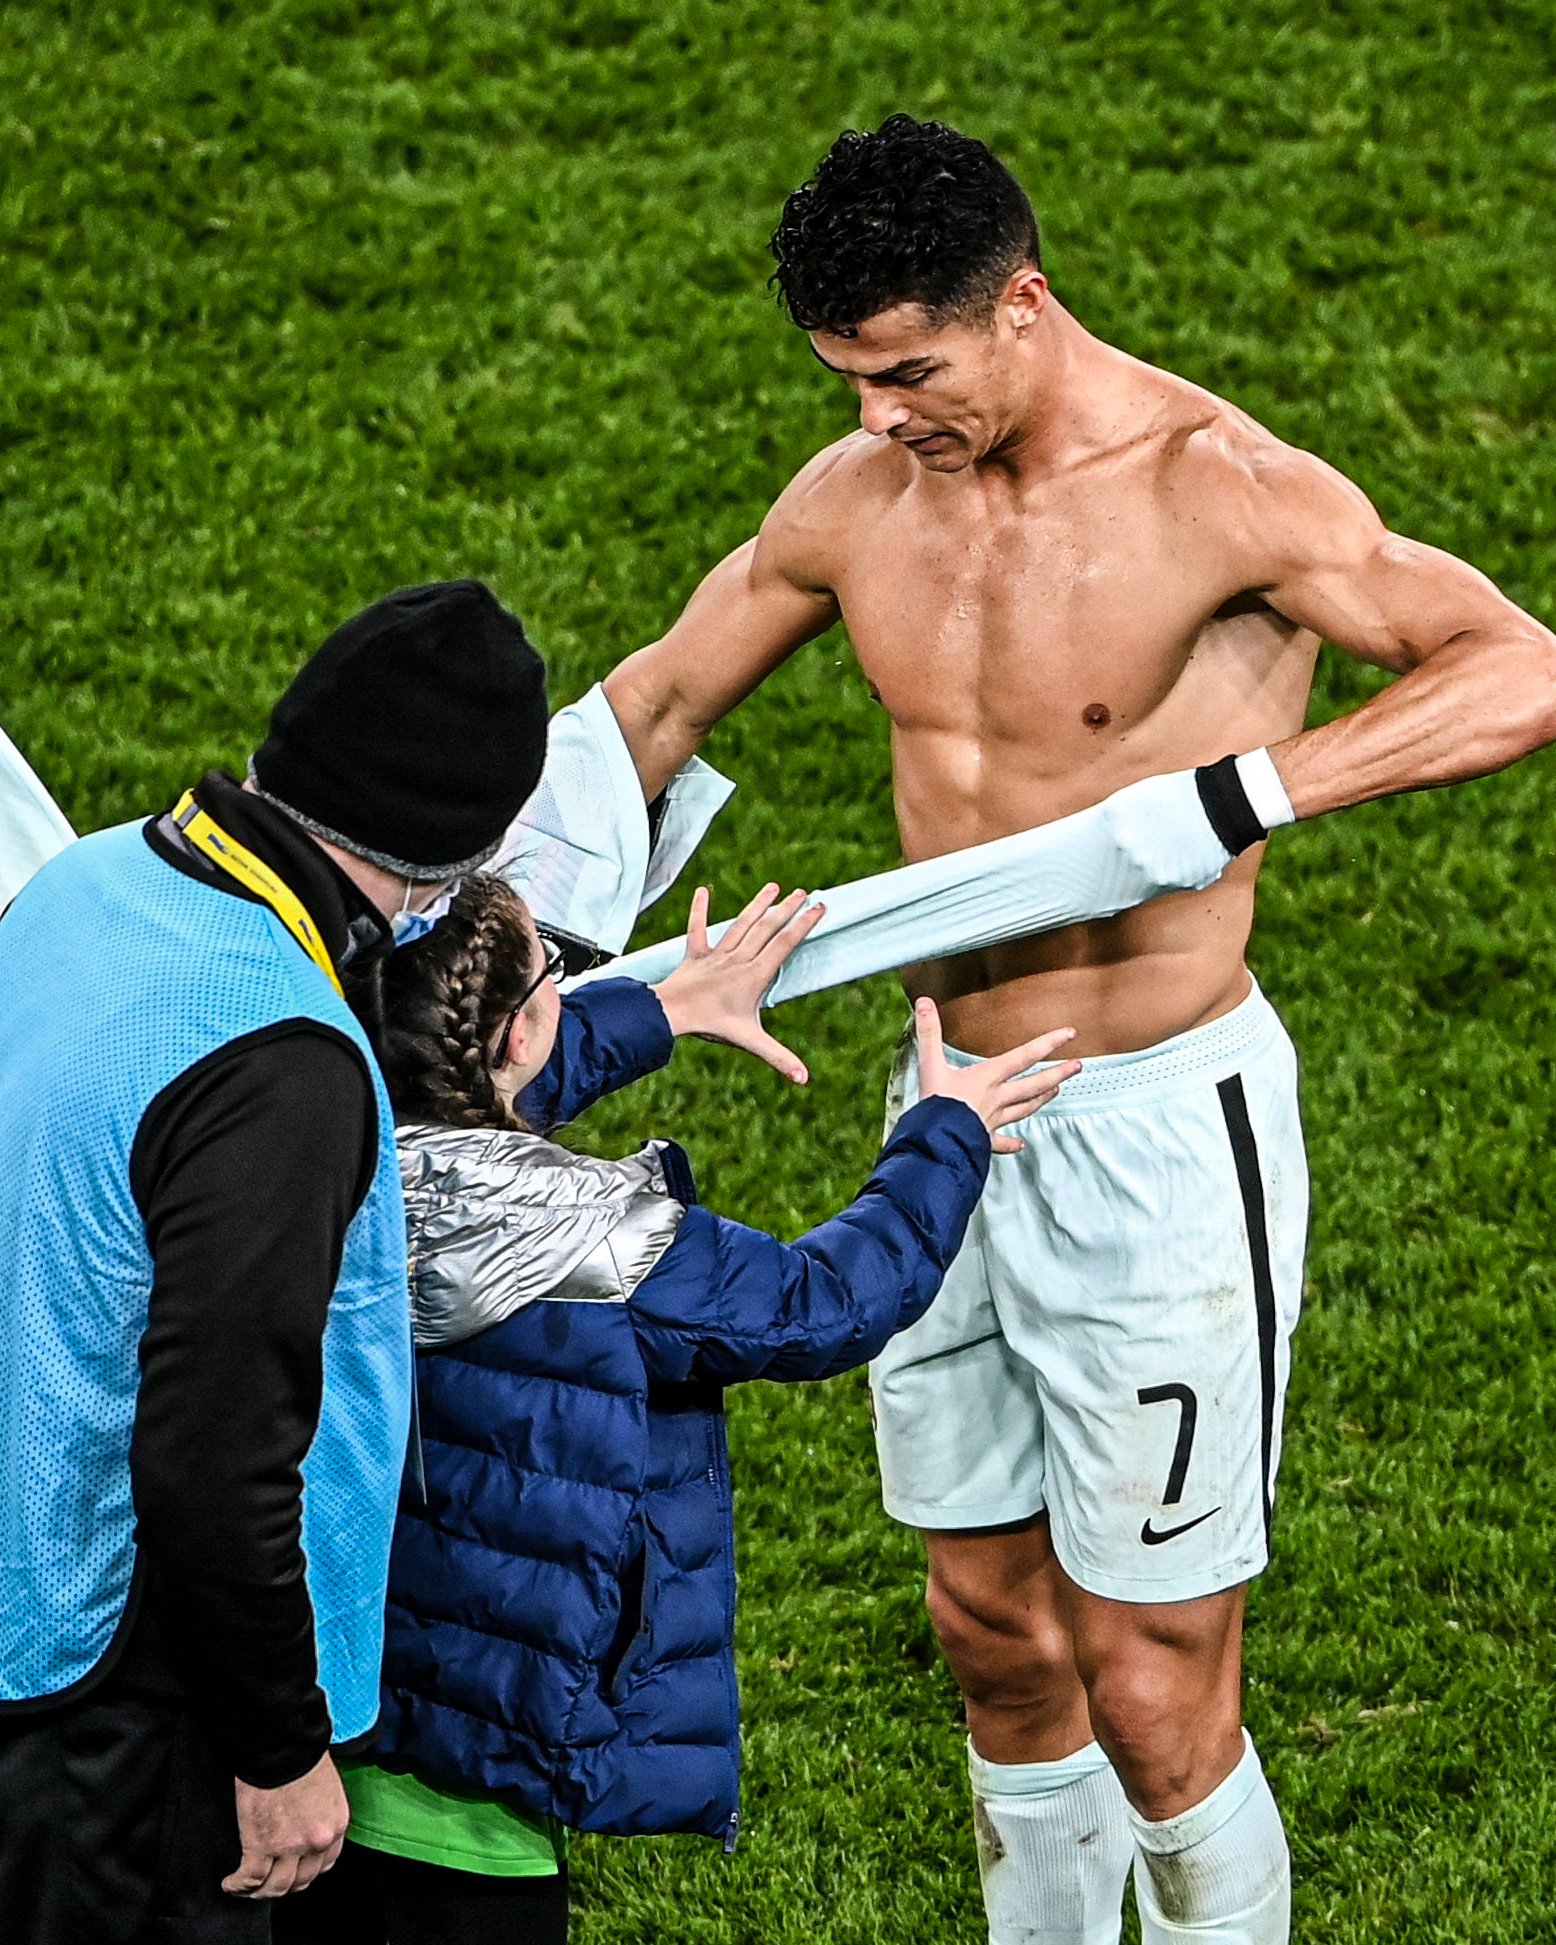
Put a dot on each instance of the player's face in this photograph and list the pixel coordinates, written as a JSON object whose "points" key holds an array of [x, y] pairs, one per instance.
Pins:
{"points": [[947, 393]]}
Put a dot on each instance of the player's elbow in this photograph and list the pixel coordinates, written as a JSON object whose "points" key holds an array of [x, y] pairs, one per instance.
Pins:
{"points": [[1506, 685], [1530, 723], [659, 729], [638, 702], [1542, 656]]}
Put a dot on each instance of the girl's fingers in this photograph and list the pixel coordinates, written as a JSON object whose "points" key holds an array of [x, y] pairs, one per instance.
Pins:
{"points": [[1043, 1086], [1006, 1144], [697, 924], [792, 933], [926, 1026], [1017, 1099], [772, 922], [782, 1059], [1030, 1053], [744, 919]]}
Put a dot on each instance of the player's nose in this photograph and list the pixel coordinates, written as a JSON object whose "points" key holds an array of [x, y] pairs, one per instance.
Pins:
{"points": [[879, 412]]}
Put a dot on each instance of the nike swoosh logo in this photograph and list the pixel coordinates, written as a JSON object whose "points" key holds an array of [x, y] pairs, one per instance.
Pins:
{"points": [[1151, 1538]]}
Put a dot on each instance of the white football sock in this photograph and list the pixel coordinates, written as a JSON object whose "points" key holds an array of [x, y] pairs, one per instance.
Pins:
{"points": [[1053, 1848], [1218, 1871]]}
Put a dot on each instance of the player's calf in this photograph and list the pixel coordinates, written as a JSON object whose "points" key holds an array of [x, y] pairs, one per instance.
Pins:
{"points": [[1054, 1847], [1163, 1685], [1219, 1870], [1016, 1667]]}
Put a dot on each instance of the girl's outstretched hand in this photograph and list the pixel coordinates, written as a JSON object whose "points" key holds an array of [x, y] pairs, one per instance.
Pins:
{"points": [[716, 991], [998, 1090]]}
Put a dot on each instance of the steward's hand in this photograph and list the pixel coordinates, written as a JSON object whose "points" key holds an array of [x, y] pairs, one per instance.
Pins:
{"points": [[998, 1090], [716, 991], [289, 1835]]}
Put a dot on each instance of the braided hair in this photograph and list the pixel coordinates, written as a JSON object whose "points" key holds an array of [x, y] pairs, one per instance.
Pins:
{"points": [[443, 1000]]}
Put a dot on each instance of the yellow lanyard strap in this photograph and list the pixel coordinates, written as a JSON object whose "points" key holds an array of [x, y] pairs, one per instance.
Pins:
{"points": [[224, 851]]}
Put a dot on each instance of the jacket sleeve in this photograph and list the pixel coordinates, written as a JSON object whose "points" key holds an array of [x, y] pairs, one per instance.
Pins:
{"points": [[611, 1033], [726, 1303]]}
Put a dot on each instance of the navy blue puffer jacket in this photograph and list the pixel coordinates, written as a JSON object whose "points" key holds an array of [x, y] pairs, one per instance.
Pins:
{"points": [[562, 1602]]}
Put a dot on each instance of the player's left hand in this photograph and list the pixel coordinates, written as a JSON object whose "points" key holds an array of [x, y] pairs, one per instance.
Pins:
{"points": [[716, 991]]}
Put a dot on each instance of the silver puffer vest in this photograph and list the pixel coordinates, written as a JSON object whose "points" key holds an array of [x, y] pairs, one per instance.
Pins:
{"points": [[499, 1218]]}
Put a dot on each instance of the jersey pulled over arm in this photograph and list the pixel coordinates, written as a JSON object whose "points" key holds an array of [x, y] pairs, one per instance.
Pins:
{"points": [[1477, 687], [758, 606]]}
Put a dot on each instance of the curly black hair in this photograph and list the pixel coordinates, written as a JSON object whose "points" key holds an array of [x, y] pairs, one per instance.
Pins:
{"points": [[913, 214], [442, 1001]]}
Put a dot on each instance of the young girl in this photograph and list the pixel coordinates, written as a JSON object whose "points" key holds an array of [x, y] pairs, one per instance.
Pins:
{"points": [[561, 1621]]}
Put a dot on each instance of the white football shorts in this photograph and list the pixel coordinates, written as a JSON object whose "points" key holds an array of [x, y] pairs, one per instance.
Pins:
{"points": [[1112, 1343]]}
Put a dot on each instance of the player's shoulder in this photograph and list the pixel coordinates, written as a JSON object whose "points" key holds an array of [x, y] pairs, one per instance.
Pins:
{"points": [[854, 469], [1214, 447], [819, 507], [1269, 503]]}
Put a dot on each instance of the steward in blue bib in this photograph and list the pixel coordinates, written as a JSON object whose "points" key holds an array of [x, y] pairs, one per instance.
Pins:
{"points": [[204, 1318], [203, 1310]]}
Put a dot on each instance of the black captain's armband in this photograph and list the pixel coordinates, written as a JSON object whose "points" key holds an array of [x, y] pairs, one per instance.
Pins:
{"points": [[1226, 806]]}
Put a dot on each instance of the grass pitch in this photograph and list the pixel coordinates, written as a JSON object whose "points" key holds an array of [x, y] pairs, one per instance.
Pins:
{"points": [[310, 300]]}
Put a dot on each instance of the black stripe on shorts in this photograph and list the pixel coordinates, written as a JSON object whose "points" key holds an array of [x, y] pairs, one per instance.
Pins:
{"points": [[1245, 1155]]}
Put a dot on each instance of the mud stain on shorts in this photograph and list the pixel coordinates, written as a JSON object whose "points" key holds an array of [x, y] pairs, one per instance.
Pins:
{"points": [[991, 1848]]}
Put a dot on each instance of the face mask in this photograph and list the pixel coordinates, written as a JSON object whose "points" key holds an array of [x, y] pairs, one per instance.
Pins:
{"points": [[408, 926]]}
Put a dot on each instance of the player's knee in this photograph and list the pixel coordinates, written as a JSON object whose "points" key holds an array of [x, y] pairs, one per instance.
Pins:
{"points": [[999, 1649], [1141, 1724], [1161, 1730]]}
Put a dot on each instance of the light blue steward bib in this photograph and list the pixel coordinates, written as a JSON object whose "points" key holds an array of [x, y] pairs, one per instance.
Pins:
{"points": [[117, 974]]}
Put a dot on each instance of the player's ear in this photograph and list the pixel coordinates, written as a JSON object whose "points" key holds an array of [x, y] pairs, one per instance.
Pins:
{"points": [[1025, 297]]}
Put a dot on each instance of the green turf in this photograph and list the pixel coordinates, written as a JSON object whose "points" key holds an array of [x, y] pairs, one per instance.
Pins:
{"points": [[304, 301]]}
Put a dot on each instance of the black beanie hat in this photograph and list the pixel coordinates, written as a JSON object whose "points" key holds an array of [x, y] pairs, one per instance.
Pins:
{"points": [[415, 735]]}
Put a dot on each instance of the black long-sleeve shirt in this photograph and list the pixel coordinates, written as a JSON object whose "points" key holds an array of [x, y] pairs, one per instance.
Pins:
{"points": [[247, 1171]]}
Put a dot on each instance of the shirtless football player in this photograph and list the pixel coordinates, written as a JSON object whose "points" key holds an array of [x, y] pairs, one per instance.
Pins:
{"points": [[1063, 570]]}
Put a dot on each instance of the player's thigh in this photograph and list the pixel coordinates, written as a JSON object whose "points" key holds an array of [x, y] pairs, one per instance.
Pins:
{"points": [[1170, 1285], [1000, 1573]]}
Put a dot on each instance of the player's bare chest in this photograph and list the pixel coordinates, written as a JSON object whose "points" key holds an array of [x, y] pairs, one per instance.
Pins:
{"points": [[1078, 594]]}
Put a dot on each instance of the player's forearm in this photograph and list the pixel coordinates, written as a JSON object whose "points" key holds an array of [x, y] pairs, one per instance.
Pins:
{"points": [[1479, 703], [658, 730]]}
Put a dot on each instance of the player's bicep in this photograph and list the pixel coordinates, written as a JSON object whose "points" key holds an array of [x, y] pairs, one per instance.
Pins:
{"points": [[745, 618]]}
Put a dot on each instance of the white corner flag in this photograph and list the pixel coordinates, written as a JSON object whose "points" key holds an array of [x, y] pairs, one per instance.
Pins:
{"points": [[32, 825]]}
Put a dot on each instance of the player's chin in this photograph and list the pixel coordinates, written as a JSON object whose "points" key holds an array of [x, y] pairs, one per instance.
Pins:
{"points": [[944, 453]]}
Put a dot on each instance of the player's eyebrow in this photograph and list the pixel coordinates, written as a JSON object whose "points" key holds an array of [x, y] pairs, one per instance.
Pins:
{"points": [[904, 368]]}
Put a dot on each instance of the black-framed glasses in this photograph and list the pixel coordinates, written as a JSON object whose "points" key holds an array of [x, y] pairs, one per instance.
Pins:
{"points": [[554, 966]]}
